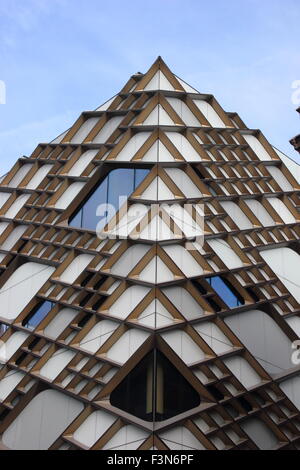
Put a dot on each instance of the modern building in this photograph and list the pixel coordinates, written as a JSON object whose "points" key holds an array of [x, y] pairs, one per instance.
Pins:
{"points": [[169, 318]]}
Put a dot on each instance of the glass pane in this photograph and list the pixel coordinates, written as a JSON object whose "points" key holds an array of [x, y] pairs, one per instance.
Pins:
{"points": [[139, 175], [226, 292], [37, 315], [173, 394], [77, 220], [90, 219], [119, 182]]}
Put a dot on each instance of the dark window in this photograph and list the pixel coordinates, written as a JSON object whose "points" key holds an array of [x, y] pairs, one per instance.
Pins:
{"points": [[215, 392], [85, 299], [199, 287], [21, 358], [245, 404], [253, 294], [33, 343], [37, 315], [119, 182], [159, 390], [226, 291], [84, 320], [85, 281]]}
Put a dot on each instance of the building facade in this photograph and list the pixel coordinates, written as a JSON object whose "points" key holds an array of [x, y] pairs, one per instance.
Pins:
{"points": [[149, 286]]}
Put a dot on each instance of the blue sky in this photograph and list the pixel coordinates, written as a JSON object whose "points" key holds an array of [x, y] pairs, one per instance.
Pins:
{"points": [[60, 57]]}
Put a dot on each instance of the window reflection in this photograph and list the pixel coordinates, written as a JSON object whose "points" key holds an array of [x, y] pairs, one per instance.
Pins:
{"points": [[226, 291], [119, 182], [37, 315]]}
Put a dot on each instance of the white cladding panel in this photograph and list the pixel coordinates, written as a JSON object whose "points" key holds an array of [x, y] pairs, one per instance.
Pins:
{"points": [[109, 127], [281, 210], [129, 259], [3, 198], [292, 166], [209, 113], [260, 212], [226, 253], [20, 175], [186, 86], [9, 382], [42, 421], [39, 176], [127, 301], [158, 152], [183, 146], [13, 237], [129, 342], [187, 224], [98, 335], [156, 272], [56, 363], [286, 264], [127, 438], [158, 116], [214, 337], [183, 182], [62, 319], [69, 195], [157, 190], [3, 226], [184, 346], [184, 302], [94, 427], [84, 130], [21, 287], [259, 432], [81, 164], [184, 260], [264, 339], [291, 387], [8, 349], [280, 178], [132, 146], [17, 205], [257, 147], [237, 215], [242, 370], [184, 112], [75, 268], [180, 438], [159, 82]]}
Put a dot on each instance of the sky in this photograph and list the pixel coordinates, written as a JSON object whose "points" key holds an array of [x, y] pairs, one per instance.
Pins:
{"points": [[61, 57]]}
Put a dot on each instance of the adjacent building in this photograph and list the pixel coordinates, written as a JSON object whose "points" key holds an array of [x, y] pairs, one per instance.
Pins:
{"points": [[296, 140]]}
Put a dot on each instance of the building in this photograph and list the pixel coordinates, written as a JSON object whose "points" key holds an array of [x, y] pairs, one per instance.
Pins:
{"points": [[171, 323], [296, 140]]}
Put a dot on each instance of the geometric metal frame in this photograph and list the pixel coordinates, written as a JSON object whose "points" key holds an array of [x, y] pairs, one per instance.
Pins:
{"points": [[220, 166]]}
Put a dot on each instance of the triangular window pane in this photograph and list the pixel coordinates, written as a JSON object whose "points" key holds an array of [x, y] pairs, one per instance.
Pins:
{"points": [[155, 390]]}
